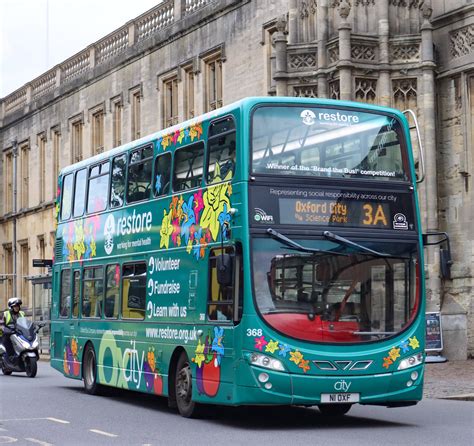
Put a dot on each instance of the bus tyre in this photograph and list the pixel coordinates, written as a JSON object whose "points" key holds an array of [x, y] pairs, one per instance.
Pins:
{"points": [[334, 410], [89, 371], [184, 389], [31, 367]]}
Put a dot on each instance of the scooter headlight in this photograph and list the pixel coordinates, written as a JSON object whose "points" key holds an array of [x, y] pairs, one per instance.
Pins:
{"points": [[35, 344]]}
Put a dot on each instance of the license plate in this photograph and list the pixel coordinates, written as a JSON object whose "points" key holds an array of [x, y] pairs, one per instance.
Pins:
{"points": [[340, 397]]}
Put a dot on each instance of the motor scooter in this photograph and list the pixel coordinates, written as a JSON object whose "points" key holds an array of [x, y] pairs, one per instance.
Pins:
{"points": [[24, 339]]}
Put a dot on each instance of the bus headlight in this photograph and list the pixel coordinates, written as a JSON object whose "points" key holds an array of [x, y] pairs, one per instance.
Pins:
{"points": [[266, 362], [411, 361]]}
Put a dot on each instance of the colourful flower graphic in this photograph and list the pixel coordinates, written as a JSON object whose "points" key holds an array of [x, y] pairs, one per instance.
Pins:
{"points": [[296, 357], [394, 353], [260, 342], [414, 342], [166, 230], [272, 346], [387, 362], [304, 364], [404, 346], [214, 200], [284, 350]]}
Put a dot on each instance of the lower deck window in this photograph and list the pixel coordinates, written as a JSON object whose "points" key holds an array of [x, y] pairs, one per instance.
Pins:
{"points": [[134, 290]]}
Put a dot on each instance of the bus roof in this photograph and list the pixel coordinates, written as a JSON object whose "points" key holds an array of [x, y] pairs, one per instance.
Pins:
{"points": [[246, 103]]}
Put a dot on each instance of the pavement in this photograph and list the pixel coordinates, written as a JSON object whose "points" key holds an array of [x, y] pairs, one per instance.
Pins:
{"points": [[452, 380]]}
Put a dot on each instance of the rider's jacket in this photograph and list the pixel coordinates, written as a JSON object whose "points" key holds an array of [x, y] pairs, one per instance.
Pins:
{"points": [[8, 318]]}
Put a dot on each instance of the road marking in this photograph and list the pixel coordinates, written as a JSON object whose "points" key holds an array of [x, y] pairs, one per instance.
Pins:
{"points": [[42, 443], [4, 440], [57, 420], [107, 434], [2, 430]]}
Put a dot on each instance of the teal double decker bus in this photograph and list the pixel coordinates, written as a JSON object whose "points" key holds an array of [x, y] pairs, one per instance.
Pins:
{"points": [[269, 253]]}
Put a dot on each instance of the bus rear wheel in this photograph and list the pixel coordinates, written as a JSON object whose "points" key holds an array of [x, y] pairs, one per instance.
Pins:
{"points": [[89, 371], [184, 389], [334, 410]]}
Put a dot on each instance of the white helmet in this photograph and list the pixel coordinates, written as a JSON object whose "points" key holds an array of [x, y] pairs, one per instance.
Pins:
{"points": [[14, 301]]}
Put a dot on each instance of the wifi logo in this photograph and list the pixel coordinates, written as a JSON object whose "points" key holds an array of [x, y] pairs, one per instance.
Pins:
{"points": [[262, 216]]}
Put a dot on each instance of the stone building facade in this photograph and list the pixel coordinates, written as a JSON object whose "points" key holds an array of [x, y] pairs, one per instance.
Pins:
{"points": [[186, 57]]}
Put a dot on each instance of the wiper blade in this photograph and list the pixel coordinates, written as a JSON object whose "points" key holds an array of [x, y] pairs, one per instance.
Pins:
{"points": [[296, 246], [344, 241]]}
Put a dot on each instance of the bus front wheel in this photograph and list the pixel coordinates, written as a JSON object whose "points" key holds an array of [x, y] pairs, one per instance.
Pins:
{"points": [[334, 410], [184, 388]]}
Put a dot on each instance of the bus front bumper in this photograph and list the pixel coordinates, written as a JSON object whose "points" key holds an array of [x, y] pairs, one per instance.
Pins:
{"points": [[263, 386]]}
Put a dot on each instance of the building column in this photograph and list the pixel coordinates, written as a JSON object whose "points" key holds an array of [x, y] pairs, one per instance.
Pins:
{"points": [[345, 65], [429, 143], [384, 90], [280, 43], [293, 22], [322, 31]]}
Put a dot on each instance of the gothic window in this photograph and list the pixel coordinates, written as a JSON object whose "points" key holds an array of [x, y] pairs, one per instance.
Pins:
{"points": [[8, 188], [170, 101], [189, 108], [116, 106], [405, 93], [56, 141], [305, 91], [135, 102], [76, 140], [98, 131], [8, 255], [42, 167], [213, 80], [365, 90], [25, 166]]}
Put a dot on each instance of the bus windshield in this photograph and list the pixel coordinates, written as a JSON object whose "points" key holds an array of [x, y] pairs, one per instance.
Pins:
{"points": [[348, 295], [327, 142]]}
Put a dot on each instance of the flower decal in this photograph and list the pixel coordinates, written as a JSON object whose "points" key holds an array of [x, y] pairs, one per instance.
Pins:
{"points": [[166, 230]]}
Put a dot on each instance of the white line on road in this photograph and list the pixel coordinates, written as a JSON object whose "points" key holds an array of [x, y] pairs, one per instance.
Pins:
{"points": [[42, 443], [107, 434], [4, 440], [57, 420]]}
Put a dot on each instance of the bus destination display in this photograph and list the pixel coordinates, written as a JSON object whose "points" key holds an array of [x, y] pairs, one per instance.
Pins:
{"points": [[340, 208], [330, 212]]}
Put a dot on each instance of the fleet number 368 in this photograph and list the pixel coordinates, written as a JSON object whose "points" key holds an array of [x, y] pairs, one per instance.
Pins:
{"points": [[254, 332]]}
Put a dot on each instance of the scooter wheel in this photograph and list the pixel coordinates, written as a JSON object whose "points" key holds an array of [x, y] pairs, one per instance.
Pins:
{"points": [[5, 371], [31, 367]]}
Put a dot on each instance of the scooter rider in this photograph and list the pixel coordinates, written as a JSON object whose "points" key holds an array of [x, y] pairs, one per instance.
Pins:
{"points": [[10, 316]]}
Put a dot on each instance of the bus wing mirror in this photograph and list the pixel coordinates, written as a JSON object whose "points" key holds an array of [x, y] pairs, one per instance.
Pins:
{"points": [[421, 176], [224, 270], [444, 253]]}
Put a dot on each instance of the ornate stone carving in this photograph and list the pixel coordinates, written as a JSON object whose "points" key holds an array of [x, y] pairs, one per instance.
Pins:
{"points": [[333, 53], [344, 9], [365, 3], [405, 53], [308, 8], [366, 90], [303, 60], [334, 90], [280, 24], [407, 3], [363, 52], [461, 41], [305, 91]]}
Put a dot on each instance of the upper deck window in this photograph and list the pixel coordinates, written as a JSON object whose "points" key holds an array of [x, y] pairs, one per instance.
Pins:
{"points": [[325, 142], [139, 174]]}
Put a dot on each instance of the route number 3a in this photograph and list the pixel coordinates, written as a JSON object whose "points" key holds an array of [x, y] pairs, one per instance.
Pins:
{"points": [[254, 332], [373, 219]]}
